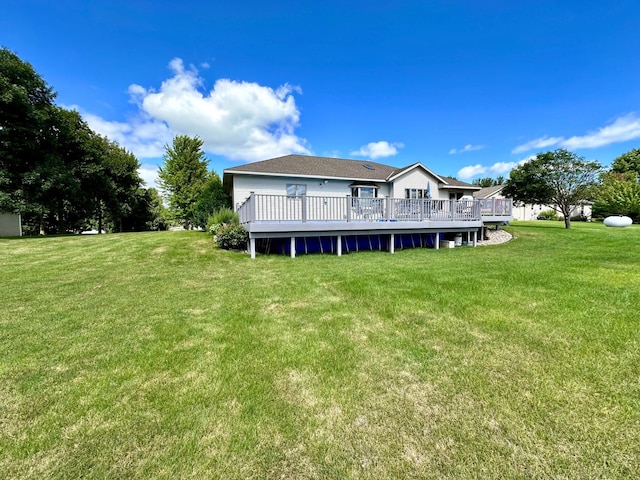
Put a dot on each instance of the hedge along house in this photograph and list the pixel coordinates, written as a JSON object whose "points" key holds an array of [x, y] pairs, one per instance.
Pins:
{"points": [[10, 225], [304, 203]]}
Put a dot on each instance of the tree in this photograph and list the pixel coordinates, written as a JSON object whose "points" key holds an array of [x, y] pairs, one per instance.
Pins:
{"points": [[483, 182], [558, 178], [488, 181], [26, 107], [619, 194], [54, 170], [212, 199], [183, 176], [627, 162]]}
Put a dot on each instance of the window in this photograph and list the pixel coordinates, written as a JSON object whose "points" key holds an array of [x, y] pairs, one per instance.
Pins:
{"points": [[415, 193], [295, 190], [364, 192]]}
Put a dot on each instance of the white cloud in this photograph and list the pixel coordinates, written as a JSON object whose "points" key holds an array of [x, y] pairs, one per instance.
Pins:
{"points": [[543, 142], [472, 171], [497, 169], [149, 173], [238, 120], [467, 148], [622, 129], [375, 150]]}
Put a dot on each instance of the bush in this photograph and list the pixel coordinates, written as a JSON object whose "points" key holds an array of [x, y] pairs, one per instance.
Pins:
{"points": [[548, 215], [231, 237], [224, 216]]}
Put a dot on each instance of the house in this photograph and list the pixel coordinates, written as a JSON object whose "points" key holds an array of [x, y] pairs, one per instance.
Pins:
{"points": [[528, 211], [10, 225], [344, 203]]}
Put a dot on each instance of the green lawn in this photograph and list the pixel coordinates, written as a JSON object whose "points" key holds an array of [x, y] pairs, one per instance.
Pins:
{"points": [[156, 355]]}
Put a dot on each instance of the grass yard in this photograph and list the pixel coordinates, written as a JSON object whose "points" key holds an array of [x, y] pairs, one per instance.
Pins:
{"points": [[156, 355]]}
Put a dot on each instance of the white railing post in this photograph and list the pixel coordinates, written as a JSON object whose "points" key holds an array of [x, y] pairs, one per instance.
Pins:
{"points": [[304, 208], [349, 204]]}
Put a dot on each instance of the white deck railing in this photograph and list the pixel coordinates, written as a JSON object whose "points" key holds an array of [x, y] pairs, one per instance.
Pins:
{"points": [[496, 207], [303, 208]]}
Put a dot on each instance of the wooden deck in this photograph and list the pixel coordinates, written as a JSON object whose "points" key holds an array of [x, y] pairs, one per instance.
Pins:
{"points": [[282, 216]]}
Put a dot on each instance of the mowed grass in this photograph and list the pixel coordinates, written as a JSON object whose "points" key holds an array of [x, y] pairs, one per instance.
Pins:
{"points": [[156, 355]]}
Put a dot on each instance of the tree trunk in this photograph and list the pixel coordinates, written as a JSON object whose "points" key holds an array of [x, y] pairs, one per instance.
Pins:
{"points": [[99, 217], [567, 221], [41, 222]]}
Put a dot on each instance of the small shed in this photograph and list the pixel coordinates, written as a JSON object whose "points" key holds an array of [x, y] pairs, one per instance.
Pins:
{"points": [[10, 225]]}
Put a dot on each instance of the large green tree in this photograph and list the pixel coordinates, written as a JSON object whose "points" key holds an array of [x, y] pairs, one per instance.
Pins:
{"points": [[627, 162], [54, 170], [619, 194], [559, 178], [183, 176], [212, 198], [26, 108]]}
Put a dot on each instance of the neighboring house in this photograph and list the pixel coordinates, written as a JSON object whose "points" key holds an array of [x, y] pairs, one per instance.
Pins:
{"points": [[10, 225], [299, 196], [528, 211]]}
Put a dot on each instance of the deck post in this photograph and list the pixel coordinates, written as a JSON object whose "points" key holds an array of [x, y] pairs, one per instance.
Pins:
{"points": [[388, 207], [436, 244], [339, 245], [252, 247], [304, 208], [349, 204], [392, 243], [293, 247], [475, 238]]}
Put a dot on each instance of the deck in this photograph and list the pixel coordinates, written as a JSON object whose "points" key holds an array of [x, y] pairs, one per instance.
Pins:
{"points": [[282, 216]]}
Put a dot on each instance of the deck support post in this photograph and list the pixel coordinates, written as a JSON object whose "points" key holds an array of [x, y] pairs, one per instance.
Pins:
{"points": [[392, 243], [252, 247], [475, 238], [293, 247], [339, 245], [436, 244]]}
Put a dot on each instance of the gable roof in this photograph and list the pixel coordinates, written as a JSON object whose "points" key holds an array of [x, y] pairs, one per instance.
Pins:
{"points": [[335, 168], [321, 167], [458, 185], [487, 192], [404, 170]]}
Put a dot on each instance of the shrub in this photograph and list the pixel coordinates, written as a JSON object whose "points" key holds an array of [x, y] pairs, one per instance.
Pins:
{"points": [[231, 237], [224, 216], [548, 215]]}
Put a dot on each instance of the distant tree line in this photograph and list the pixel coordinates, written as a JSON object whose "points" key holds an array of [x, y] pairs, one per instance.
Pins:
{"points": [[489, 182], [59, 174]]}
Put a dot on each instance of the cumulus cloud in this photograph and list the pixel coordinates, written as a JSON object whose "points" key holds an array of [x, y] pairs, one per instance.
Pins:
{"points": [[375, 150], [498, 168], [149, 173], [622, 129], [238, 120], [467, 148]]}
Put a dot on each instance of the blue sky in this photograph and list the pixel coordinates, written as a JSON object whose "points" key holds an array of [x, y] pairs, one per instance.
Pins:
{"points": [[468, 88]]}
